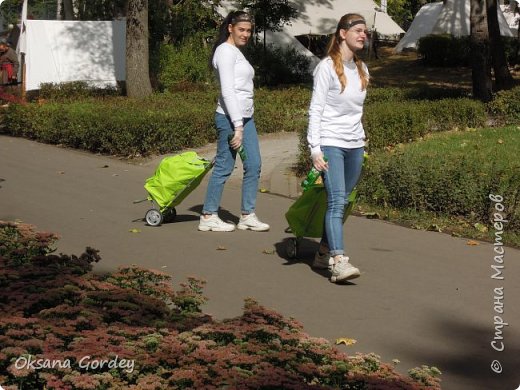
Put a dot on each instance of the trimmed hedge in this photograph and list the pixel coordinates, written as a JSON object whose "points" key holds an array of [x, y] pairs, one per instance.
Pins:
{"points": [[391, 123], [119, 126], [449, 174], [163, 123], [388, 123], [505, 106], [279, 110], [169, 122]]}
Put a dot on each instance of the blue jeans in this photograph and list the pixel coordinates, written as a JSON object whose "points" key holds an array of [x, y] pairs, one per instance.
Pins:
{"points": [[339, 180], [225, 163]]}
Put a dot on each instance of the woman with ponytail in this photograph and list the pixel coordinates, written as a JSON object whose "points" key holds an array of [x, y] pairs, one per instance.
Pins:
{"points": [[336, 136], [235, 126]]}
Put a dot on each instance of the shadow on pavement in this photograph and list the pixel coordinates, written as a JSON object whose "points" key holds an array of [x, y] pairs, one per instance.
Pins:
{"points": [[471, 366], [306, 249]]}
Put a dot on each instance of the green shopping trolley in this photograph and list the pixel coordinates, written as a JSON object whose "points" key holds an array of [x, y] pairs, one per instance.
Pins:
{"points": [[174, 179]]}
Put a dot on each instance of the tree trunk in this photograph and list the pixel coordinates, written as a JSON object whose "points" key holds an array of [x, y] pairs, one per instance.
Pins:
{"points": [[137, 66], [68, 10], [480, 59], [503, 78]]}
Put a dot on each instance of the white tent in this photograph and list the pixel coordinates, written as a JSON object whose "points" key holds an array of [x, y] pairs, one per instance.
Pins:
{"points": [[63, 51], [321, 17], [286, 40], [512, 15], [453, 18], [421, 25]]}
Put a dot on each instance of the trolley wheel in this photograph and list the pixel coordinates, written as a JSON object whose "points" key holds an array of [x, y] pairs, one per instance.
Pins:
{"points": [[291, 249], [170, 215], [153, 217]]}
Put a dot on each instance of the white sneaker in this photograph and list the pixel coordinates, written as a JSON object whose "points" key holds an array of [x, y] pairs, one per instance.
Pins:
{"points": [[322, 261], [215, 224], [251, 222], [342, 270]]}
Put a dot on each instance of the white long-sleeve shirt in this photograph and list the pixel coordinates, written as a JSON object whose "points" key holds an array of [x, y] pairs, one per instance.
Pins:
{"points": [[235, 75], [335, 116]]}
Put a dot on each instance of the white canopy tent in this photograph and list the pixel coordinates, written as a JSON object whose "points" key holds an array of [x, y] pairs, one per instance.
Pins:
{"points": [[63, 51], [421, 25], [512, 15], [321, 18], [450, 18], [454, 20]]}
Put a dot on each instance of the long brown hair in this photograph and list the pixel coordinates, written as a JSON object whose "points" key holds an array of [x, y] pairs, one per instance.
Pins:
{"points": [[333, 50]]}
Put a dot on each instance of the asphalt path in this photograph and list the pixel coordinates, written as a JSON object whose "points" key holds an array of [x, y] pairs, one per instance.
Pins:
{"points": [[423, 297]]}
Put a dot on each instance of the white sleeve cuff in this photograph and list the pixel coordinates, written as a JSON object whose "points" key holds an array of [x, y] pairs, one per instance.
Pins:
{"points": [[315, 150], [238, 123]]}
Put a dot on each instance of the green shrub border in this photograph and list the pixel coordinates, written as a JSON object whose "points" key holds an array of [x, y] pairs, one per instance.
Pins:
{"points": [[449, 174]]}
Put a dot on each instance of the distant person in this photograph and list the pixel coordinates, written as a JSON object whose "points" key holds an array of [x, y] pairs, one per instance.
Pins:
{"points": [[234, 118], [335, 132], [8, 63], [375, 43], [14, 35]]}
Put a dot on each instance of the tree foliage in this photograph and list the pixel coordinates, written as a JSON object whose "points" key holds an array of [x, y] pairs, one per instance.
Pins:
{"points": [[269, 15], [189, 17], [403, 11], [11, 10]]}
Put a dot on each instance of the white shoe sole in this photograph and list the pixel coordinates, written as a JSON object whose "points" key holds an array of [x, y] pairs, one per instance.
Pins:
{"points": [[255, 229], [215, 229], [347, 276]]}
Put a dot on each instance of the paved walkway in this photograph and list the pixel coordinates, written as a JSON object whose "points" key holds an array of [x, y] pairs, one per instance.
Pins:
{"points": [[423, 297]]}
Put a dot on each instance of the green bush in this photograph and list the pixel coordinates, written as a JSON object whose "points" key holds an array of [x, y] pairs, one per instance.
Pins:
{"points": [[187, 63], [163, 123], [448, 50], [279, 110], [74, 90], [394, 94], [506, 106], [444, 50], [278, 66], [392, 122], [449, 174], [160, 124], [511, 45]]}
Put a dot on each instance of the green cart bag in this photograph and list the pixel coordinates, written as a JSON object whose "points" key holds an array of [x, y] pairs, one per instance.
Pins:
{"points": [[306, 216], [307, 213], [174, 179]]}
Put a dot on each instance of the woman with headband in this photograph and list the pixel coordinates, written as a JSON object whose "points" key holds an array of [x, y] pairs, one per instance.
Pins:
{"points": [[336, 136], [235, 126]]}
